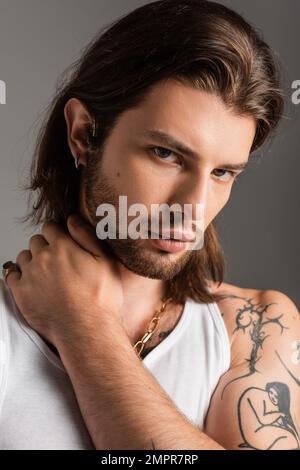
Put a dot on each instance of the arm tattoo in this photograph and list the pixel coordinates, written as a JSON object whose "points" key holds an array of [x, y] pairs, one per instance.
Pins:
{"points": [[265, 420], [252, 319]]}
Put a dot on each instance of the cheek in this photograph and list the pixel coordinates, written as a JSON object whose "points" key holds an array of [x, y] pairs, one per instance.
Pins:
{"points": [[135, 177], [118, 170]]}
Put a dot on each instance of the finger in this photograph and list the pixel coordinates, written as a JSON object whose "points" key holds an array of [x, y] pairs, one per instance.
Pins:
{"points": [[12, 278], [36, 243], [23, 258], [52, 231], [84, 234]]}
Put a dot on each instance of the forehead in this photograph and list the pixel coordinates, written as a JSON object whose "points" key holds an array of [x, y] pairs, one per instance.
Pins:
{"points": [[197, 118]]}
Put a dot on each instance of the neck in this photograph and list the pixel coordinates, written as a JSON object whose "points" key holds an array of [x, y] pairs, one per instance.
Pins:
{"points": [[142, 297], [141, 294]]}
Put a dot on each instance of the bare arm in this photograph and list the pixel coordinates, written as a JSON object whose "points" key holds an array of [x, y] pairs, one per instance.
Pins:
{"points": [[122, 404], [259, 397]]}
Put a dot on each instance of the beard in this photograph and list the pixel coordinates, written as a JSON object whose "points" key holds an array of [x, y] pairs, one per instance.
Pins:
{"points": [[136, 255]]}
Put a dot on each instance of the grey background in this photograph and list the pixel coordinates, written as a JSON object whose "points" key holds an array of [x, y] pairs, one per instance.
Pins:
{"points": [[259, 227]]}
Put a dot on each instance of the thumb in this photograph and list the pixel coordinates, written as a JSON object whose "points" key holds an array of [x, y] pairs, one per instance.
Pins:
{"points": [[84, 234]]}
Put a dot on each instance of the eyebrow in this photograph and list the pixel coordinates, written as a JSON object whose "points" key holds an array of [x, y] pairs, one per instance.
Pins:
{"points": [[169, 140]]}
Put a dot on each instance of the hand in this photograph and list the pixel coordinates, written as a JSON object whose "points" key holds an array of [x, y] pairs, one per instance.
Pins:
{"points": [[66, 282]]}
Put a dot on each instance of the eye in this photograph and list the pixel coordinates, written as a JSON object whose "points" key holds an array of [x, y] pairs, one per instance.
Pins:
{"points": [[228, 174], [165, 154]]}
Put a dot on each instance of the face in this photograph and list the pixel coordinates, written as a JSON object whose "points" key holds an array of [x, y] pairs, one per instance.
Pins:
{"points": [[273, 396], [142, 161]]}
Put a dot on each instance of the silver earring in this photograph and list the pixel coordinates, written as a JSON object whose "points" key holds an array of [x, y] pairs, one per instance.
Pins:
{"points": [[77, 162]]}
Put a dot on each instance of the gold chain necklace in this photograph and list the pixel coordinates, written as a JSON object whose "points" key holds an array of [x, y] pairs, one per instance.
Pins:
{"points": [[139, 345]]}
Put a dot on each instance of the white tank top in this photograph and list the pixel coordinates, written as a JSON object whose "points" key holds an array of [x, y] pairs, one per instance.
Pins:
{"points": [[38, 407]]}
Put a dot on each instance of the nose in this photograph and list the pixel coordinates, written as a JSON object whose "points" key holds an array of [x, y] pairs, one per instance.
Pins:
{"points": [[194, 192]]}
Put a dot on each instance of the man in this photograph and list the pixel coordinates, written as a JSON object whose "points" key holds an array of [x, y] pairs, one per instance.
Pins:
{"points": [[161, 115]]}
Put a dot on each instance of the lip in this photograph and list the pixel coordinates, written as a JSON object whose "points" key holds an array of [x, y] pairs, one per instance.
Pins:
{"points": [[169, 245]]}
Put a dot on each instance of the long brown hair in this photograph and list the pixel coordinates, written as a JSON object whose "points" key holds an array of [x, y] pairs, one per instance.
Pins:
{"points": [[198, 42]]}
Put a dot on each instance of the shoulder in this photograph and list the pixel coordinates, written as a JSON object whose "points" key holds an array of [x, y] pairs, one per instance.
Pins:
{"points": [[4, 289], [232, 299], [5, 309], [241, 305], [4, 293], [7, 302]]}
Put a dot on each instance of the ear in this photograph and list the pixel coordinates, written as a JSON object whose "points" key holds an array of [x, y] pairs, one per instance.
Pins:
{"points": [[78, 121]]}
